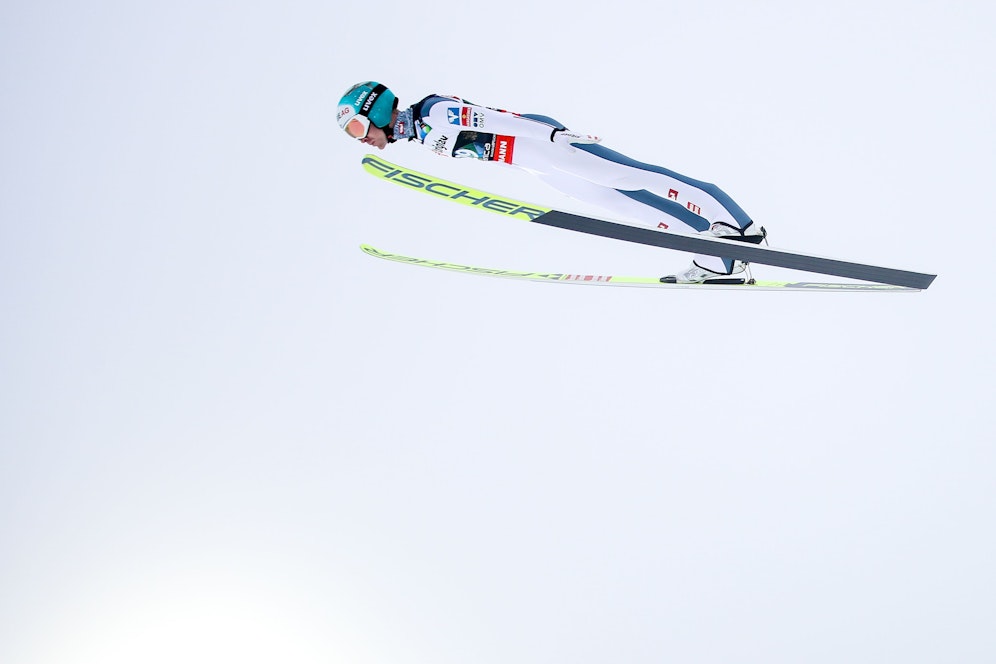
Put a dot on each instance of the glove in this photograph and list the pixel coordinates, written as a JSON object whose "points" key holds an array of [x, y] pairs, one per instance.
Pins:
{"points": [[565, 138]]}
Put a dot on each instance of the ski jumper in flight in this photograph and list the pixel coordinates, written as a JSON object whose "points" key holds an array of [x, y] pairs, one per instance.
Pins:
{"points": [[574, 163]]}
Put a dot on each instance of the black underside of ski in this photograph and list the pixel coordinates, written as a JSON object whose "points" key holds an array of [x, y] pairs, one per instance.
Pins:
{"points": [[733, 249]]}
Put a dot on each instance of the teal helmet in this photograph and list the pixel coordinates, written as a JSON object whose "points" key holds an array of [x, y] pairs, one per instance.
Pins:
{"points": [[364, 104]]}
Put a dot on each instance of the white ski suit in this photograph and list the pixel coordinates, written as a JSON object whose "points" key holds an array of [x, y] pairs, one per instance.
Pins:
{"points": [[651, 195]]}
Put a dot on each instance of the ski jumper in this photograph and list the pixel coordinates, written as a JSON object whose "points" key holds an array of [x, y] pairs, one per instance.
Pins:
{"points": [[644, 193]]}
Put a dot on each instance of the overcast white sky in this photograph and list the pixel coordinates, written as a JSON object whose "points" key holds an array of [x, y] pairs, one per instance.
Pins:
{"points": [[228, 435]]}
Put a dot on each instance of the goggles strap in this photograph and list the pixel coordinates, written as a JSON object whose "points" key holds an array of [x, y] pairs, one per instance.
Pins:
{"points": [[374, 95]]}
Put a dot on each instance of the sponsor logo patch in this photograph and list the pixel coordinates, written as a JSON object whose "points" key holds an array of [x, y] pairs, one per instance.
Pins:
{"points": [[503, 148], [465, 116]]}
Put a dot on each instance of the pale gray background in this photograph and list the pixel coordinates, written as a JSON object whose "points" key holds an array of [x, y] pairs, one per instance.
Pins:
{"points": [[227, 435]]}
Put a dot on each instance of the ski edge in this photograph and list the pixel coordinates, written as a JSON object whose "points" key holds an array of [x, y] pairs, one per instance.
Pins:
{"points": [[631, 282]]}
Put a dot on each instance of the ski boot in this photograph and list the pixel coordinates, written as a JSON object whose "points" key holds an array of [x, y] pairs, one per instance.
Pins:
{"points": [[696, 274], [751, 233], [740, 272]]}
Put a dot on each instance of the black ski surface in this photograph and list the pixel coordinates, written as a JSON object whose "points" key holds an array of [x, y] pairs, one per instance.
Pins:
{"points": [[733, 249]]}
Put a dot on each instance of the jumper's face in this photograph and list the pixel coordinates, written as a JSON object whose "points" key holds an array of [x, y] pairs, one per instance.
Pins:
{"points": [[376, 137]]}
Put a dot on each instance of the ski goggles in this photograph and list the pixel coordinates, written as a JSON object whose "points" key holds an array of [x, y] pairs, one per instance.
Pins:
{"points": [[358, 126]]}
